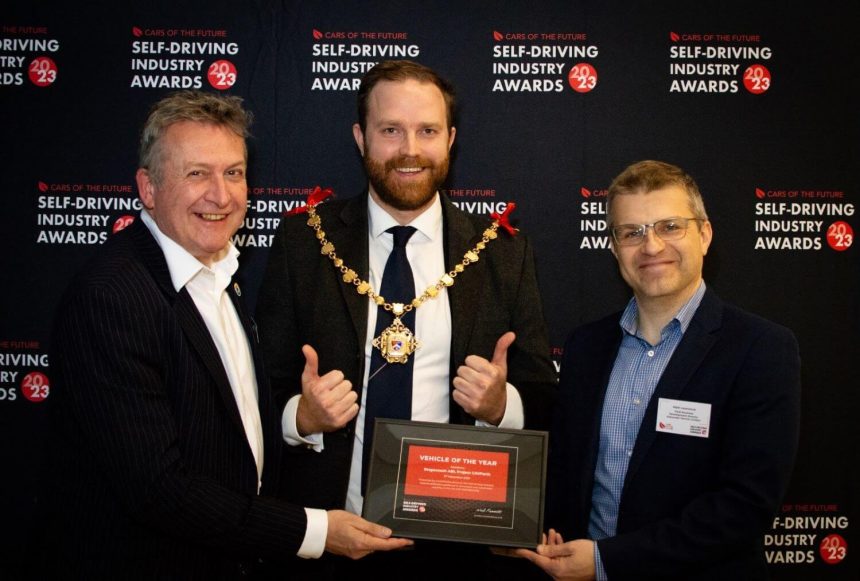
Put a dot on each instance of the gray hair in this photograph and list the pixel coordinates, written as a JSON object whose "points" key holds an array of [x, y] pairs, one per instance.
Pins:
{"points": [[198, 106]]}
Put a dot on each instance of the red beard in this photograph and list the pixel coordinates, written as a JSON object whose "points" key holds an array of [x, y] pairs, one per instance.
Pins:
{"points": [[402, 196]]}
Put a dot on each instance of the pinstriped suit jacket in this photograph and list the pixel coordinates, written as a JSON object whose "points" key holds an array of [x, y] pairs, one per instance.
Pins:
{"points": [[154, 476]]}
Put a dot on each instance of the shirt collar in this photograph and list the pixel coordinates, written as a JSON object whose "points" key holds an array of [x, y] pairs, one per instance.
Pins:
{"points": [[182, 265], [428, 223], [630, 317]]}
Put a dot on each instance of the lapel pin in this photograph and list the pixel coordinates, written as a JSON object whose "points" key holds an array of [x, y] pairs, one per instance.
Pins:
{"points": [[236, 289]]}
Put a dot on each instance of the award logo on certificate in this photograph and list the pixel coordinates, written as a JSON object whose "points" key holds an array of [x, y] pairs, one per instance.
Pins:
{"points": [[458, 483]]}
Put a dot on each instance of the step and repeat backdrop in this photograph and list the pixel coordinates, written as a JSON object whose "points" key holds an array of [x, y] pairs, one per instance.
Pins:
{"points": [[757, 100]]}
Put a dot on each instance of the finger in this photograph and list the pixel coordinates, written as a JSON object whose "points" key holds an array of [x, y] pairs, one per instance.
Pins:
{"points": [[350, 413], [500, 353], [343, 411], [341, 401], [463, 385], [466, 380], [461, 398], [311, 361], [340, 390], [375, 544], [535, 558], [371, 529], [553, 551]]}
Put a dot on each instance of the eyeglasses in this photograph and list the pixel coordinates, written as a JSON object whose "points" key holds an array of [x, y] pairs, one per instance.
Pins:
{"points": [[668, 229]]}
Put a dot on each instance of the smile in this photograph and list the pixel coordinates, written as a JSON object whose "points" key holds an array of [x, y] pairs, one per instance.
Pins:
{"points": [[213, 217]]}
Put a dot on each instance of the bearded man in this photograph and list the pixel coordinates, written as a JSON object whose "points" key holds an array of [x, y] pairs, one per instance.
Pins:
{"points": [[466, 343]]}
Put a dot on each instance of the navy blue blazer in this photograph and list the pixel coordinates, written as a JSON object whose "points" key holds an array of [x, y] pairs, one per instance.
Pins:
{"points": [[154, 477], [691, 508]]}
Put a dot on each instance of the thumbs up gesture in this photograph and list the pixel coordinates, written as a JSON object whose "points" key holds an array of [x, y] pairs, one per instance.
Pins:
{"points": [[327, 402], [479, 387]]}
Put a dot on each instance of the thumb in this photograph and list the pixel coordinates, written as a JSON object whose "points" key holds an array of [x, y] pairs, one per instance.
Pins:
{"points": [[500, 353], [311, 361]]}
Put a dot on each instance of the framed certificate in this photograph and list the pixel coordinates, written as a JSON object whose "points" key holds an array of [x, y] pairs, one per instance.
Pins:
{"points": [[457, 483]]}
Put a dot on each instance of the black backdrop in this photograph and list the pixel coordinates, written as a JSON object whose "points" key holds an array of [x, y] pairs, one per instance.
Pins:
{"points": [[756, 100]]}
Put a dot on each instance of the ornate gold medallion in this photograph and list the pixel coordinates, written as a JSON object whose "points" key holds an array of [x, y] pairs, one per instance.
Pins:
{"points": [[396, 342]]}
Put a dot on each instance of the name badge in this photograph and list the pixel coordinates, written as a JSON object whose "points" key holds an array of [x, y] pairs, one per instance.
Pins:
{"points": [[685, 418]]}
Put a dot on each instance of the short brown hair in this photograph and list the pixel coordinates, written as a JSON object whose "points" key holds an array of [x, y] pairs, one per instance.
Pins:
{"points": [[649, 175], [403, 70]]}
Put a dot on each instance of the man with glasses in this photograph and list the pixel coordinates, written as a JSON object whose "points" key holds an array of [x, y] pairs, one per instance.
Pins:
{"points": [[678, 419]]}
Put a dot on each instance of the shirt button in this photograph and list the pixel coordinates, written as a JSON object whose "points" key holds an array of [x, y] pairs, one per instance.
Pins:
{"points": [[651, 353], [636, 401], [629, 453]]}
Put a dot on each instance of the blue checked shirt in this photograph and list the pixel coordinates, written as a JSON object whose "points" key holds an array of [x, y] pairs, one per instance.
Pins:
{"points": [[637, 370]]}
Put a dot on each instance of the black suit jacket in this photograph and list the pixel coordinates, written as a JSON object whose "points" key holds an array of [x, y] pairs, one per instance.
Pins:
{"points": [[303, 300], [154, 475], [691, 508]]}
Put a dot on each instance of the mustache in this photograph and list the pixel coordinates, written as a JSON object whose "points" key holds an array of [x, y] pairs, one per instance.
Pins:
{"points": [[408, 161]]}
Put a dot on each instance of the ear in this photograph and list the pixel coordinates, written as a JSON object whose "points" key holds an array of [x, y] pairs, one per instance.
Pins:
{"points": [[453, 133], [145, 188], [706, 233], [358, 135]]}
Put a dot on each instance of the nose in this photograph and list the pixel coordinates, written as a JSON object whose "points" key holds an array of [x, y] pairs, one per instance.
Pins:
{"points": [[652, 244], [218, 191], [409, 145]]}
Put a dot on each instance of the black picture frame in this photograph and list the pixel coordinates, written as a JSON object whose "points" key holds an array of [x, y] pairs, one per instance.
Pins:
{"points": [[458, 483]]}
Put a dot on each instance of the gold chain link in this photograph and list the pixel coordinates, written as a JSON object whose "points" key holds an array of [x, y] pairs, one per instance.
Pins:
{"points": [[363, 287]]}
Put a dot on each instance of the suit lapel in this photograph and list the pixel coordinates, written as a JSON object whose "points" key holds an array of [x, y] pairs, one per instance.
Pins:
{"points": [[465, 294], [348, 232], [691, 351], [188, 316]]}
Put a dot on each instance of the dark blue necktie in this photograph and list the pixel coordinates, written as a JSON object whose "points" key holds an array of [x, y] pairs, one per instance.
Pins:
{"points": [[389, 389]]}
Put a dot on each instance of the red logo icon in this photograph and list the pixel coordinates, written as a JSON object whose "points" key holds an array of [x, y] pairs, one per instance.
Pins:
{"points": [[36, 387], [759, 193], [833, 549], [840, 236], [317, 34], [43, 71], [582, 78], [757, 79], [222, 75]]}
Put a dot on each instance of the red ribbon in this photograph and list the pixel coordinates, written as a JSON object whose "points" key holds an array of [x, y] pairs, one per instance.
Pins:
{"points": [[503, 218], [314, 198]]}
